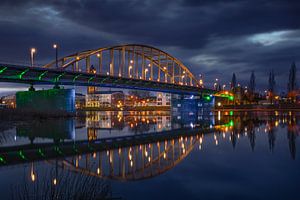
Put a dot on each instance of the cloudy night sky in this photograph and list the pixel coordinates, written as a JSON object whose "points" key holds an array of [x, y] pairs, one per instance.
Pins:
{"points": [[213, 38]]}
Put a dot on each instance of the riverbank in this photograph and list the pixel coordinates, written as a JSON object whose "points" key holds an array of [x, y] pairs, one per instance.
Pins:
{"points": [[282, 107], [131, 108]]}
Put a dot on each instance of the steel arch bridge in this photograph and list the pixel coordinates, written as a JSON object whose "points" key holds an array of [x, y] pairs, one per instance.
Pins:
{"points": [[130, 66], [129, 61]]}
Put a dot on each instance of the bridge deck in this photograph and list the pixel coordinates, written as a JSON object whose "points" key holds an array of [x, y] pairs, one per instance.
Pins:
{"points": [[45, 76]]}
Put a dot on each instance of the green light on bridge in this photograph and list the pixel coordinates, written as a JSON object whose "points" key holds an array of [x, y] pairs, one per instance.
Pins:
{"points": [[231, 98], [76, 77], [90, 79], [2, 70], [58, 77], [22, 73], [42, 74]]}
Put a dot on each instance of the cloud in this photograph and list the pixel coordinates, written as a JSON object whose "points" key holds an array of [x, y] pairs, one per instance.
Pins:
{"points": [[214, 38]]}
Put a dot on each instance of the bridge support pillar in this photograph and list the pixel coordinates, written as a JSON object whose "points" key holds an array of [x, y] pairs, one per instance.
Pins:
{"points": [[58, 102], [190, 108]]}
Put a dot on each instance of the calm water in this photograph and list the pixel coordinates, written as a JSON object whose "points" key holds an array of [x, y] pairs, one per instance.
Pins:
{"points": [[146, 155]]}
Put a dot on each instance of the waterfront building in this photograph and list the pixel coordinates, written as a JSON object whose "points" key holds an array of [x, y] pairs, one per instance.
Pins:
{"points": [[79, 101], [105, 99], [163, 99], [8, 101]]}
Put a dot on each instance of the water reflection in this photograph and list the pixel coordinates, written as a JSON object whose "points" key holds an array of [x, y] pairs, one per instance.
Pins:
{"points": [[129, 146]]}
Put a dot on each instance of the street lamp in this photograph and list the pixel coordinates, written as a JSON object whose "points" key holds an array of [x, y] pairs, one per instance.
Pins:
{"points": [[129, 71], [146, 70], [32, 52], [55, 46]]}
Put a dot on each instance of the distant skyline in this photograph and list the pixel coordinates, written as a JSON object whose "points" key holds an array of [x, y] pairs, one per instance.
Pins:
{"points": [[212, 38]]}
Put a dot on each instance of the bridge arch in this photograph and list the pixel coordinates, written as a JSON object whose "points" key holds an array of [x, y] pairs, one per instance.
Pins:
{"points": [[133, 61]]}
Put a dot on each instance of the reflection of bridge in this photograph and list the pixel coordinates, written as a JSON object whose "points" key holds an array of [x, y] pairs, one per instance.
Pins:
{"points": [[134, 162], [125, 66], [45, 151]]}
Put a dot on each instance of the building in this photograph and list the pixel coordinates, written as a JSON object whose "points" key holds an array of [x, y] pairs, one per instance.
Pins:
{"points": [[8, 101], [163, 99], [105, 99], [79, 101]]}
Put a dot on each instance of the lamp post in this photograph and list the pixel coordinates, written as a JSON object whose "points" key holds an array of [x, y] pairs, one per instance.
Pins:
{"points": [[146, 70], [55, 46], [129, 71], [32, 52]]}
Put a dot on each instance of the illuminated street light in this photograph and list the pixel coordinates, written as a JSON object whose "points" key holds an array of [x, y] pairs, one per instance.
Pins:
{"points": [[129, 71], [55, 46], [32, 52], [146, 70]]}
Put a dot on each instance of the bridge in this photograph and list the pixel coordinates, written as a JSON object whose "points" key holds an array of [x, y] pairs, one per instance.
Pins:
{"points": [[130, 66]]}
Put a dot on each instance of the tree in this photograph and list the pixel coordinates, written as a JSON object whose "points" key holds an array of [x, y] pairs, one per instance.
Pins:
{"points": [[292, 78], [272, 82], [233, 82], [252, 83]]}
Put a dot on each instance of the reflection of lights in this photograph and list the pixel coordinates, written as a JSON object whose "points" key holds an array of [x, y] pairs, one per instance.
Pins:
{"points": [[32, 176], [131, 163], [149, 159], [217, 142], [146, 153], [200, 147], [54, 181], [98, 170], [165, 155]]}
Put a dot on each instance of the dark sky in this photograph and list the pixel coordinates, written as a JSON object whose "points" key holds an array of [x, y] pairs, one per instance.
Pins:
{"points": [[214, 38]]}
